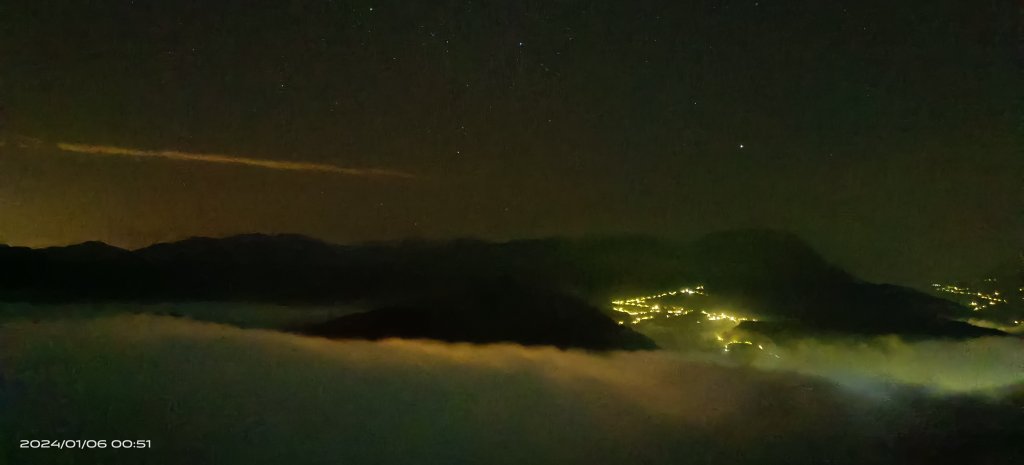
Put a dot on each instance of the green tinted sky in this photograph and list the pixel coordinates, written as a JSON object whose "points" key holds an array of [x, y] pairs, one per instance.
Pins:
{"points": [[886, 133]]}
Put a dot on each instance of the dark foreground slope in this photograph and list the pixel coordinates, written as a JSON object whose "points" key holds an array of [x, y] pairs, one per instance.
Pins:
{"points": [[487, 313]]}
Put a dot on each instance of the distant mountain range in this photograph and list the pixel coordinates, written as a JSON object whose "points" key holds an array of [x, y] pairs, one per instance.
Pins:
{"points": [[489, 289]]}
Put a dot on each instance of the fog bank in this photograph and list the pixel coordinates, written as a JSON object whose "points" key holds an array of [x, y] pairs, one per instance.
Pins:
{"points": [[207, 393]]}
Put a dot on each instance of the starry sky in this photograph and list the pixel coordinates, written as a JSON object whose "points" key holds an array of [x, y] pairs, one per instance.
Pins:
{"points": [[887, 134]]}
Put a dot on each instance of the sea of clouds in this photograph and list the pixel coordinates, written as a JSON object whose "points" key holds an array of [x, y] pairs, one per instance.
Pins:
{"points": [[209, 393]]}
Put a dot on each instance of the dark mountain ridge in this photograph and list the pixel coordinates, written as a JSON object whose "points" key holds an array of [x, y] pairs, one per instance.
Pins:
{"points": [[771, 274]]}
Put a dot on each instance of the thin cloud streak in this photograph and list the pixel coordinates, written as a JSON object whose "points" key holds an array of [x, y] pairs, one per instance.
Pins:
{"points": [[231, 160]]}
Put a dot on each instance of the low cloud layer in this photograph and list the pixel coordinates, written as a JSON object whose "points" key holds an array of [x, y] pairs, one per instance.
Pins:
{"points": [[983, 365], [207, 393]]}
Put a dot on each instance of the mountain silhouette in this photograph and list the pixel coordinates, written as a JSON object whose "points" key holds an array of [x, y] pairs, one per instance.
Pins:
{"points": [[771, 274]]}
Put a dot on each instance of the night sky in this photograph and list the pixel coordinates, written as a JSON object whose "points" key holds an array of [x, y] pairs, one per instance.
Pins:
{"points": [[888, 134]]}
